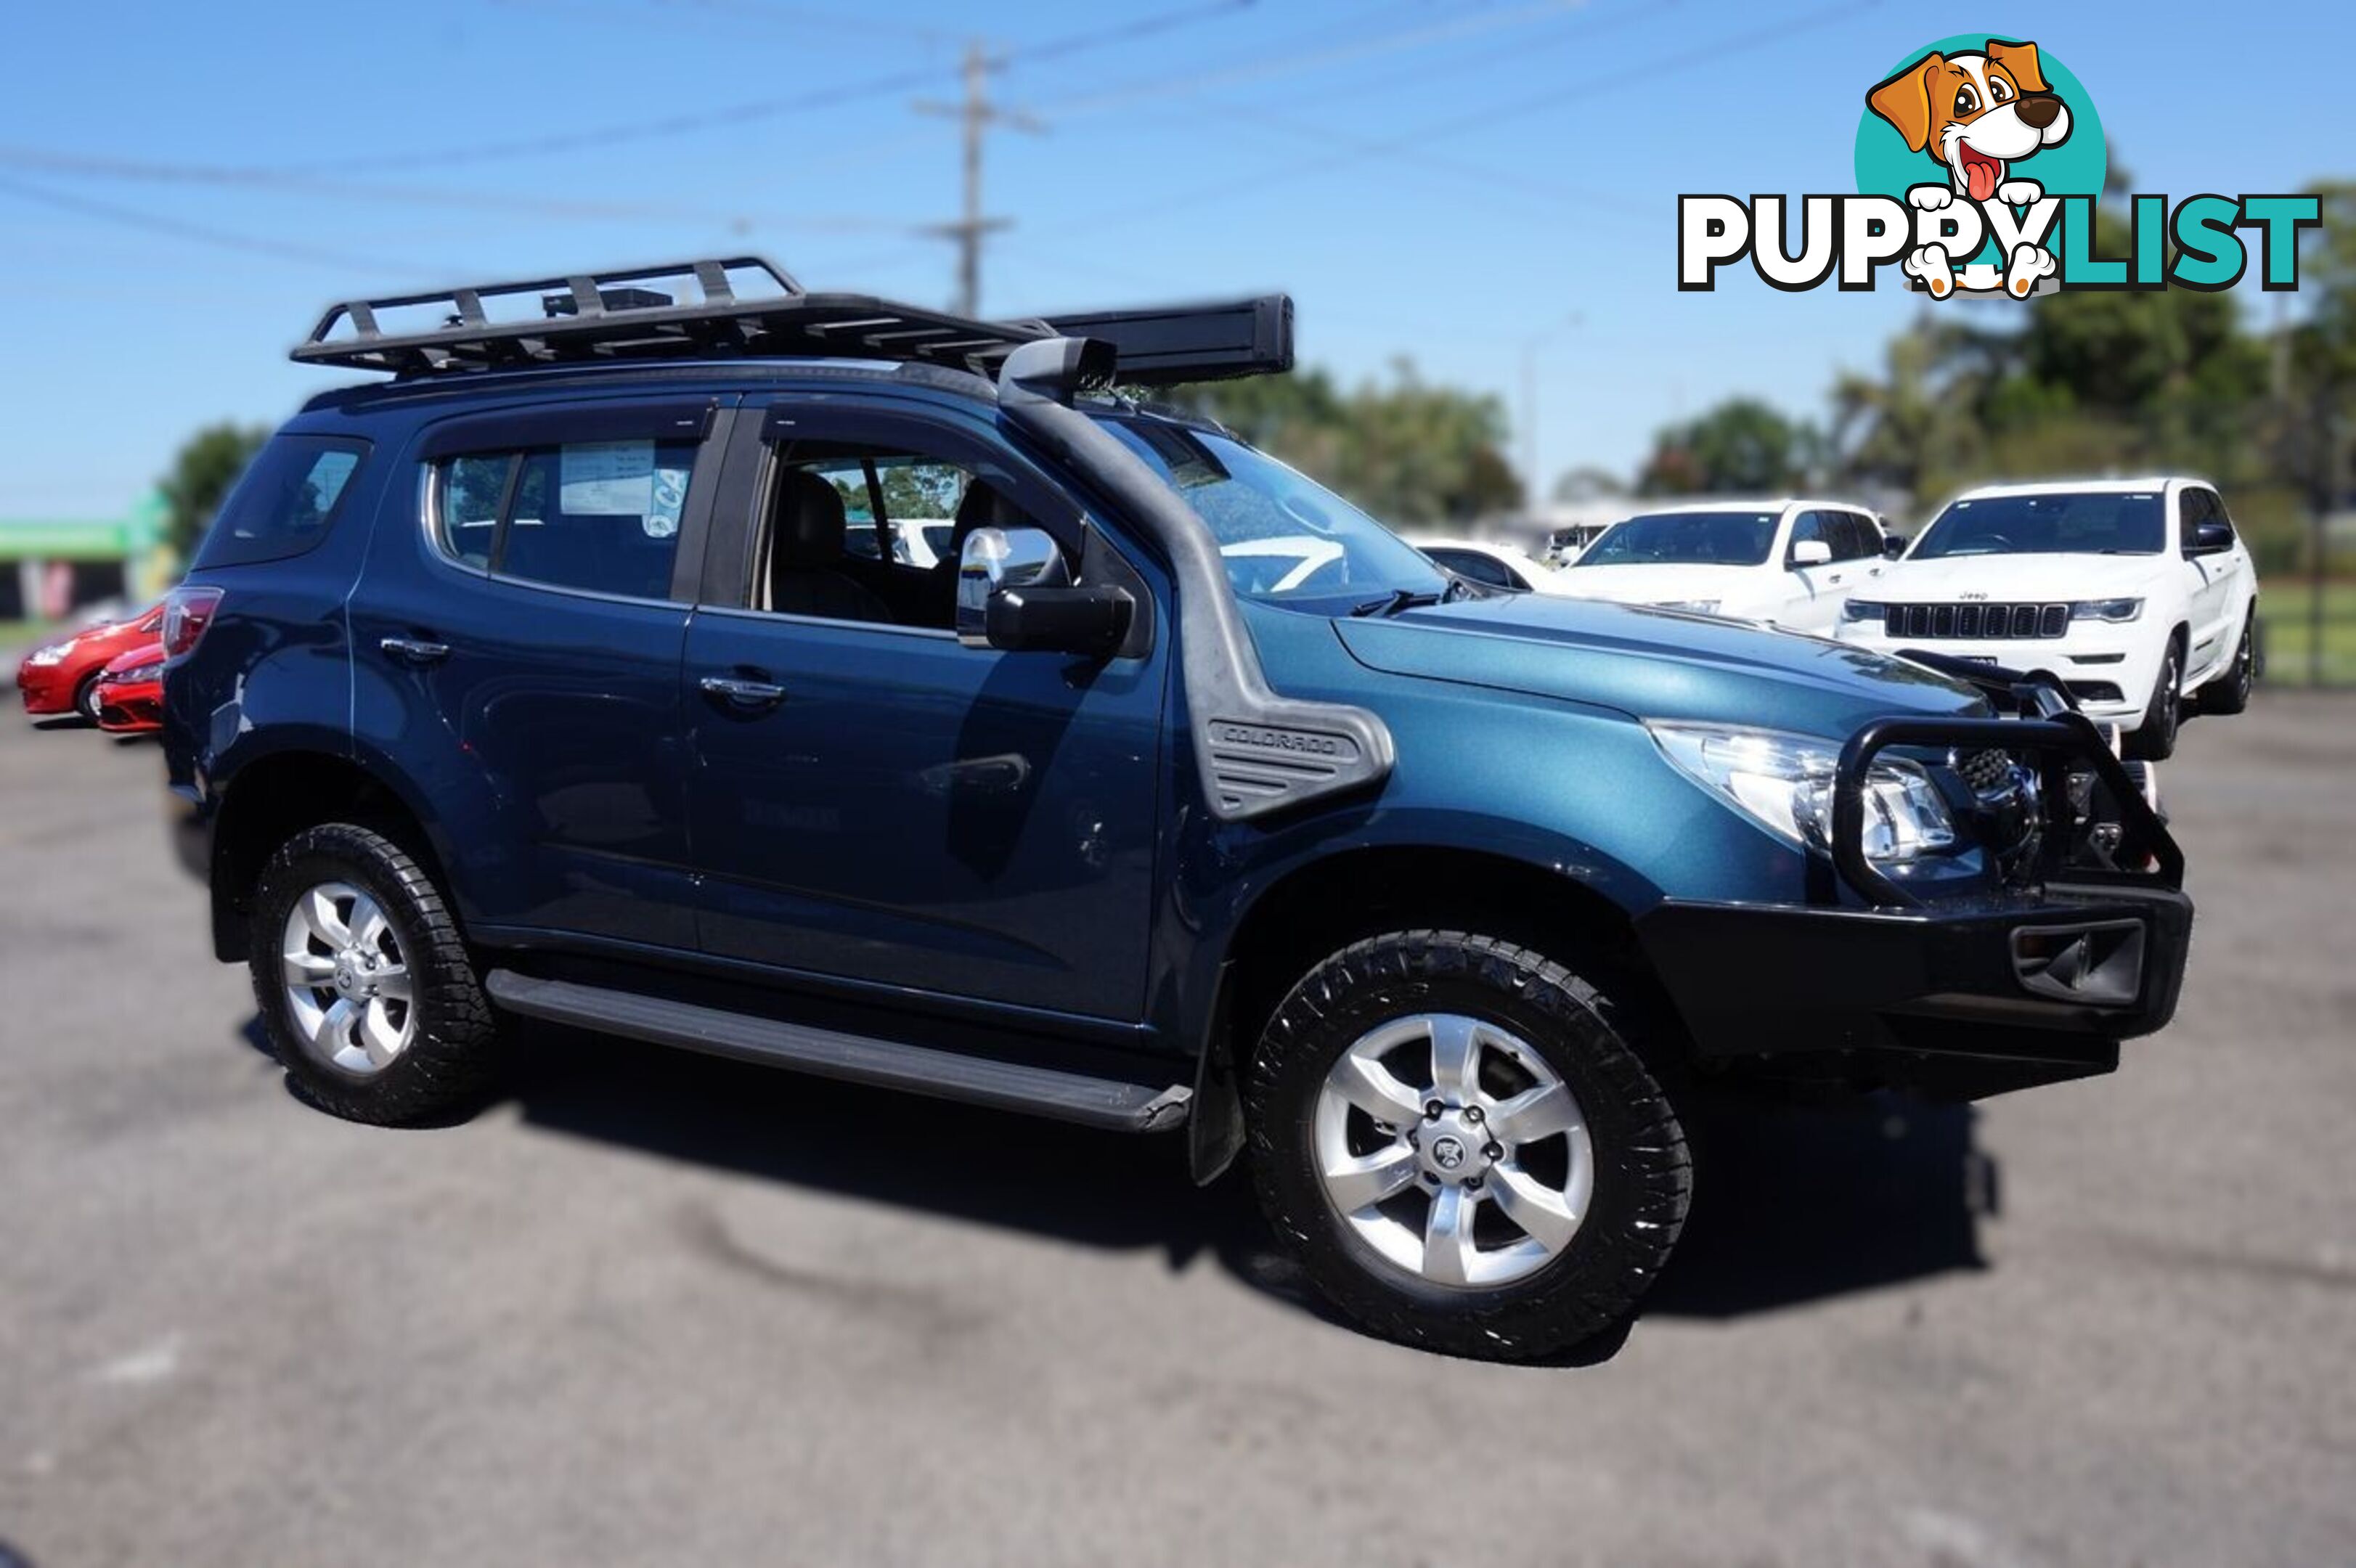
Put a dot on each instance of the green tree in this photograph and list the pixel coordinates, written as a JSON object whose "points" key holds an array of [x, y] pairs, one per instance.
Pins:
{"points": [[202, 472], [1742, 445], [1407, 451]]}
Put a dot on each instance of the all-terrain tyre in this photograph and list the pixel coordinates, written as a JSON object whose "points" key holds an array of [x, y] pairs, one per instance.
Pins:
{"points": [[1419, 1071], [364, 985], [2154, 740]]}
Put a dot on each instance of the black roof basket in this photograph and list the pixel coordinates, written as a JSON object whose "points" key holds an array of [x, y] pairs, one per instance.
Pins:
{"points": [[744, 307]]}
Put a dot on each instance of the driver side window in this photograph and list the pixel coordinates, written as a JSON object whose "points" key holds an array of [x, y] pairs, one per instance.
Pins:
{"points": [[852, 532], [2196, 507], [1809, 529]]}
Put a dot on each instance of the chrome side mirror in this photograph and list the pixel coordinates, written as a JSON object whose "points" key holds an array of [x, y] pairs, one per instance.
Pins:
{"points": [[994, 560], [1015, 594]]}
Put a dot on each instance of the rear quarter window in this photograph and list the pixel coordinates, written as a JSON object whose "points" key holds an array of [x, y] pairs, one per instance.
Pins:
{"points": [[287, 502]]}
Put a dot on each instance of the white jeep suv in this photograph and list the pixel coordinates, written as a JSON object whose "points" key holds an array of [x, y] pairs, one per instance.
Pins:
{"points": [[1782, 563], [2136, 593]]}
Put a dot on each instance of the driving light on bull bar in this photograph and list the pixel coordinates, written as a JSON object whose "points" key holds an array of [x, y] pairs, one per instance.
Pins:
{"points": [[1784, 782]]}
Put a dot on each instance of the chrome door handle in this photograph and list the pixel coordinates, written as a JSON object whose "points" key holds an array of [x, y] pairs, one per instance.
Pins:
{"points": [[739, 693], [414, 651]]}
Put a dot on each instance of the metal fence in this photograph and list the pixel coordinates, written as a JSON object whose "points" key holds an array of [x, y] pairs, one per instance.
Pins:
{"points": [[2310, 632]]}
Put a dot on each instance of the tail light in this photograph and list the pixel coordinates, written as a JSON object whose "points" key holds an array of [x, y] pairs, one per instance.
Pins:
{"points": [[187, 611]]}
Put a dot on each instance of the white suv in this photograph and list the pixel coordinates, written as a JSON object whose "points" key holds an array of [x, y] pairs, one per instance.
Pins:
{"points": [[2136, 593], [1782, 563]]}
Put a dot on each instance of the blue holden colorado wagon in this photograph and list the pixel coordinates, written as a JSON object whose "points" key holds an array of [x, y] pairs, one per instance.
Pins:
{"points": [[828, 682]]}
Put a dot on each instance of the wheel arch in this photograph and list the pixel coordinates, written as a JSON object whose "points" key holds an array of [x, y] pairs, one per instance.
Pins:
{"points": [[271, 798], [1320, 906]]}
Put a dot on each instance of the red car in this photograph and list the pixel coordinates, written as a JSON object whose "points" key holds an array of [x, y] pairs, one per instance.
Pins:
{"points": [[129, 696], [62, 676]]}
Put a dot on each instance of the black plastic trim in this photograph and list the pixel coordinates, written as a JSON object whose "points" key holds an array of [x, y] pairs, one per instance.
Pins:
{"points": [[892, 1064], [1257, 753]]}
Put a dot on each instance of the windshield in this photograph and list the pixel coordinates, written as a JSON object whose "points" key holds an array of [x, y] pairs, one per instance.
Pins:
{"points": [[1685, 538], [2083, 522], [1285, 538]]}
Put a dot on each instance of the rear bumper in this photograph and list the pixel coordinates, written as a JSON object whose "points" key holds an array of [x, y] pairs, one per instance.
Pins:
{"points": [[1996, 996], [189, 825]]}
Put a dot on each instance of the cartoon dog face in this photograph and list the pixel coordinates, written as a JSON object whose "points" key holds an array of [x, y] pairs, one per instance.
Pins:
{"points": [[1976, 113]]}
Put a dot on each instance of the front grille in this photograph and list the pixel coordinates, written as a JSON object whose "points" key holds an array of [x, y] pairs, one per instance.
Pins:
{"points": [[1981, 622]]}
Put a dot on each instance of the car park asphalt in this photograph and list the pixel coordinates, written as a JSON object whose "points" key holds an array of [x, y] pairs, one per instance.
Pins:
{"points": [[657, 1307]]}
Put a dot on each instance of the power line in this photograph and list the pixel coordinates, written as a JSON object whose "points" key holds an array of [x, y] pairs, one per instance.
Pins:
{"points": [[1359, 46], [45, 160], [753, 112], [155, 223], [1410, 143]]}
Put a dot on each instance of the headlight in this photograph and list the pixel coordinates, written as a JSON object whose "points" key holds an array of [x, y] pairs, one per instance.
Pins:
{"points": [[1690, 606], [54, 654], [2105, 609], [1784, 782], [139, 673], [1863, 610]]}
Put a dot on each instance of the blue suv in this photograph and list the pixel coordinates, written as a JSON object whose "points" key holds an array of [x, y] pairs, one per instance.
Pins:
{"points": [[823, 681]]}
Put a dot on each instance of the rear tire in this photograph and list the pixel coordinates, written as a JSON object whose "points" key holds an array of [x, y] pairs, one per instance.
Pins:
{"points": [[2154, 740], [2230, 693], [1524, 1215], [363, 982]]}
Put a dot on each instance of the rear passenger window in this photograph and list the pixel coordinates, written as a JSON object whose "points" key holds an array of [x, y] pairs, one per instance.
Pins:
{"points": [[285, 503], [599, 516]]}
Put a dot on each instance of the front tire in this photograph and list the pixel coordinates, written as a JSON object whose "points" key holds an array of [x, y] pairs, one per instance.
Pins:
{"points": [[2154, 741], [363, 982], [86, 694], [1465, 1153]]}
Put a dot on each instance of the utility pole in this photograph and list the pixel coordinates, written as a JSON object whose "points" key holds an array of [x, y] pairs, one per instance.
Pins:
{"points": [[977, 114]]}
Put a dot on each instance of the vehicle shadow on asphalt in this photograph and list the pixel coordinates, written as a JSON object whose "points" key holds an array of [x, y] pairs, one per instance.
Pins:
{"points": [[1794, 1204]]}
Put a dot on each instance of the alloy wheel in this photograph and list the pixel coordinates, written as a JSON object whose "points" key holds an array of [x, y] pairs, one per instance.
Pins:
{"points": [[349, 990], [1449, 1147]]}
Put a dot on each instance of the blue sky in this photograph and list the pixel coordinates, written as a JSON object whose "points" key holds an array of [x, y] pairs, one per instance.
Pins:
{"points": [[182, 187]]}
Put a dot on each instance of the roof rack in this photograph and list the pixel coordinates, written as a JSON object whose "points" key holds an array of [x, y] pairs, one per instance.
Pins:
{"points": [[745, 306]]}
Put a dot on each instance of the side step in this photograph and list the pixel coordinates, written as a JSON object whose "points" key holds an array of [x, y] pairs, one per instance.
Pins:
{"points": [[944, 1074]]}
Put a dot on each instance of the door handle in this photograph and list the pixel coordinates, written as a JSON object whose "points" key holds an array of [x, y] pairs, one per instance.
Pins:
{"points": [[1835, 578], [414, 651], [748, 695]]}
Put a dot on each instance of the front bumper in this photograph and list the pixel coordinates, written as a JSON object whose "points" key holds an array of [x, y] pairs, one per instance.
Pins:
{"points": [[1970, 1000], [2109, 676], [44, 689], [132, 710], [2082, 948]]}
